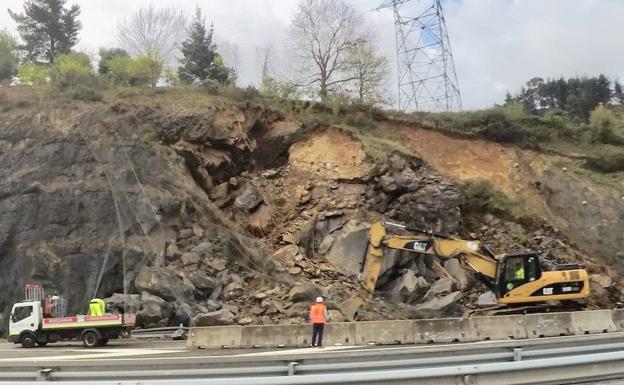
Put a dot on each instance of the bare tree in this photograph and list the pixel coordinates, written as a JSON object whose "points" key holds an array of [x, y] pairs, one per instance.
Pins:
{"points": [[321, 32], [369, 72], [155, 32], [231, 55]]}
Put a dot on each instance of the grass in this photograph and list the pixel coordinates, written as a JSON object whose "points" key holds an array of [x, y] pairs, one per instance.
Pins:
{"points": [[614, 180]]}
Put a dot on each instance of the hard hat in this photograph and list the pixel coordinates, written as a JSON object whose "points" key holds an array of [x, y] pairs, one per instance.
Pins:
{"points": [[319, 299]]}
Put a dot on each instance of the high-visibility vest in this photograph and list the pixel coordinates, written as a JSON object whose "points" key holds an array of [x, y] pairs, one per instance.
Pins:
{"points": [[520, 273], [317, 313]]}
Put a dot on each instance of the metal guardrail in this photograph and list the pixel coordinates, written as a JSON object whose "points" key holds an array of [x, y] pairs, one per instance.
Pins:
{"points": [[174, 332], [594, 358]]}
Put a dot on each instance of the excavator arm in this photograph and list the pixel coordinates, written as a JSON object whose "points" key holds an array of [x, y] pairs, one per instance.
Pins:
{"points": [[427, 243]]}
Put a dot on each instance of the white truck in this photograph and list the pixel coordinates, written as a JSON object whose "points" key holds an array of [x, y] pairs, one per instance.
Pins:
{"points": [[34, 321]]}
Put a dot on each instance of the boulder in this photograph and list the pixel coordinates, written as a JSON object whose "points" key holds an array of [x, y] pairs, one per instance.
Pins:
{"points": [[202, 281], [441, 286], [438, 305], [286, 253], [216, 318], [183, 314], [388, 184], [260, 220], [486, 299], [305, 292], [248, 199], [123, 303], [602, 280], [408, 287], [172, 251], [185, 233], [190, 259], [163, 283], [351, 307], [454, 268], [147, 297], [335, 316], [326, 244], [347, 251], [219, 192], [150, 314]]}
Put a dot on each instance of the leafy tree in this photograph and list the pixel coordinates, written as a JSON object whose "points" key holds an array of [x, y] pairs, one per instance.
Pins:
{"points": [[47, 29], [368, 70], [106, 54], [70, 70], [33, 74], [201, 61], [8, 56], [118, 70], [145, 69]]}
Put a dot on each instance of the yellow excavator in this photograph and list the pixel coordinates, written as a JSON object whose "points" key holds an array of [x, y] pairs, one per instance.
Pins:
{"points": [[515, 278]]}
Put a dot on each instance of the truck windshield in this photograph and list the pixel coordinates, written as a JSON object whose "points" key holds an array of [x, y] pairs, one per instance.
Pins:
{"points": [[21, 313]]}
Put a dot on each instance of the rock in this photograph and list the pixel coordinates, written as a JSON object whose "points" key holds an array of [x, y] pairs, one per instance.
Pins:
{"points": [[216, 318], [455, 269], [219, 192], [162, 282], [149, 314], [245, 321], [219, 264], [441, 286], [248, 199], [233, 182], [486, 299], [183, 315], [347, 251], [294, 270], [172, 251], [202, 281], [185, 233], [388, 184], [351, 307], [190, 259], [231, 307], [123, 303], [439, 304], [305, 292], [212, 305], [326, 244], [602, 280], [233, 289], [204, 248], [408, 287], [335, 316], [260, 220], [286, 253], [147, 297], [258, 311]]}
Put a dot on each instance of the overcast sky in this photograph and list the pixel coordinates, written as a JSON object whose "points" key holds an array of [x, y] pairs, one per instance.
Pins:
{"points": [[497, 44]]}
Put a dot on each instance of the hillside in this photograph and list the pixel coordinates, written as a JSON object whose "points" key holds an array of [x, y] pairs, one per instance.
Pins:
{"points": [[224, 211]]}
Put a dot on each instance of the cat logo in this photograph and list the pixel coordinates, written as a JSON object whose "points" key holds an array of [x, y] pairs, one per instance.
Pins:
{"points": [[419, 246]]}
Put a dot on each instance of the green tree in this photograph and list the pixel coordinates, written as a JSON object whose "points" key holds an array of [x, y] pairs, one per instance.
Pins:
{"points": [[47, 29], [118, 70], [106, 54], [145, 69], [201, 61], [70, 70], [8, 56], [618, 93], [33, 74], [368, 70]]}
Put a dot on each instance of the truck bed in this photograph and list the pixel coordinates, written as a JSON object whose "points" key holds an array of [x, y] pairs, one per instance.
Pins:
{"points": [[84, 321]]}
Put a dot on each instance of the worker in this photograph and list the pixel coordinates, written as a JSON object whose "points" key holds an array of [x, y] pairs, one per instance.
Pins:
{"points": [[97, 307], [519, 272], [318, 317]]}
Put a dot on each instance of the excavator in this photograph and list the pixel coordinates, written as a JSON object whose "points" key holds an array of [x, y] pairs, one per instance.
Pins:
{"points": [[515, 278]]}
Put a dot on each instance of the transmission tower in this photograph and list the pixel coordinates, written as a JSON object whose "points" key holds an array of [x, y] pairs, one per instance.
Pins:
{"points": [[426, 71]]}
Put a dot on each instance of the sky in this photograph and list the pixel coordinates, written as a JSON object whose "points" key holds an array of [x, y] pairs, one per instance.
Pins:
{"points": [[497, 44]]}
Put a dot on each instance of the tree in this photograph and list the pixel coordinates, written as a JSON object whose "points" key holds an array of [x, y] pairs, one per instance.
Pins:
{"points": [[322, 31], [201, 61], [153, 32], [106, 54], [33, 74], [146, 69], [368, 71], [618, 93], [47, 29], [70, 70], [8, 56]]}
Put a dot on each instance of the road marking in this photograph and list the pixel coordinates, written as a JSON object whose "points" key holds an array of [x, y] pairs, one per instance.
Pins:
{"points": [[324, 349], [100, 353]]}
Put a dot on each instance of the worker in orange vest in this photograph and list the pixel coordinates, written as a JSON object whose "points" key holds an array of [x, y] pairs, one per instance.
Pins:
{"points": [[318, 317]]}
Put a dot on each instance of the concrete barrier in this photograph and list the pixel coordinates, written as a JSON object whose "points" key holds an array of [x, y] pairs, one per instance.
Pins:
{"points": [[334, 334], [443, 330], [617, 315], [384, 332], [214, 337], [498, 327], [594, 321], [548, 325], [270, 336]]}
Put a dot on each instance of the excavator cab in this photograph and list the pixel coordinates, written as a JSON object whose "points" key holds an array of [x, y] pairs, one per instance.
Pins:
{"points": [[515, 270]]}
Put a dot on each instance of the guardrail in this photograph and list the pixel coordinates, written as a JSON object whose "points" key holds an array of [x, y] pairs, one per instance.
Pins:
{"points": [[445, 330], [559, 360], [170, 332]]}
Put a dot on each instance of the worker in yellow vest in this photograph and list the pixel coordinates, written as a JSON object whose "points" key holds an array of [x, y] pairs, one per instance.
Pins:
{"points": [[97, 307], [318, 317]]}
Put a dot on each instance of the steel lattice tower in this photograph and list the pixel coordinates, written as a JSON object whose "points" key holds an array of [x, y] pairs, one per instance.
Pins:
{"points": [[426, 72]]}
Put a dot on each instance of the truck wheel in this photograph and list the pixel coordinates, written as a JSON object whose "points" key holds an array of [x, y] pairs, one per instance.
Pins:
{"points": [[27, 340], [90, 339]]}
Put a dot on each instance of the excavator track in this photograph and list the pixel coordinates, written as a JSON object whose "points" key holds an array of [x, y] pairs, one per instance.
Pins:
{"points": [[527, 309]]}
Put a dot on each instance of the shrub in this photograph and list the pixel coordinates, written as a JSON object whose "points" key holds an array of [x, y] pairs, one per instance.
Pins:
{"points": [[239, 94], [118, 70], [86, 93], [33, 74], [481, 197], [70, 70], [607, 162]]}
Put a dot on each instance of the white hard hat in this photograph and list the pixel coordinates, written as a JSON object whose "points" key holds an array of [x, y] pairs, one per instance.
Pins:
{"points": [[319, 299]]}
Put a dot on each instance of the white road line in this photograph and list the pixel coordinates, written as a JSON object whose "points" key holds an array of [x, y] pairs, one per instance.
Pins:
{"points": [[110, 353], [297, 351]]}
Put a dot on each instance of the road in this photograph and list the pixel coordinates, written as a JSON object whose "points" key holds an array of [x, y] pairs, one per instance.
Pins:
{"points": [[586, 358]]}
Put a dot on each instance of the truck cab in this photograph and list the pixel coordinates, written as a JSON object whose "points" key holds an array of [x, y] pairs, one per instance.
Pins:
{"points": [[25, 319]]}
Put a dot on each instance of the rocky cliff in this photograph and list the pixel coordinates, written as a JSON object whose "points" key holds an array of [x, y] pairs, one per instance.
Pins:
{"points": [[230, 213]]}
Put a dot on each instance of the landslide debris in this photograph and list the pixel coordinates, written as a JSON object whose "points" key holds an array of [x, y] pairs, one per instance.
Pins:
{"points": [[233, 214]]}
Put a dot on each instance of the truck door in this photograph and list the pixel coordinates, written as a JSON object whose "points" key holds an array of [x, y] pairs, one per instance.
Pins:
{"points": [[23, 317]]}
